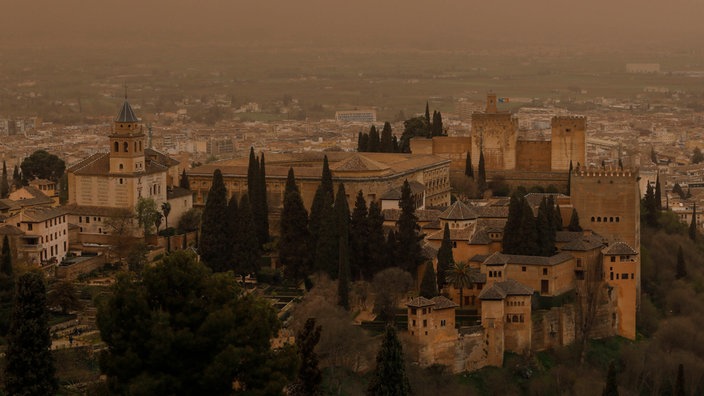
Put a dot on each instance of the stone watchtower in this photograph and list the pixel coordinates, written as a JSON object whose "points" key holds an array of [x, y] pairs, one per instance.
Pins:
{"points": [[568, 142], [127, 143], [495, 133]]}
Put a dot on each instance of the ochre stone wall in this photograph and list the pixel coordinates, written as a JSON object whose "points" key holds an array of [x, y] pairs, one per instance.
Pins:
{"points": [[568, 142], [497, 135], [533, 155]]}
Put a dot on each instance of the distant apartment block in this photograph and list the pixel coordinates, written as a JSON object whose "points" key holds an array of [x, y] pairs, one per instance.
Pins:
{"points": [[356, 116], [643, 68]]}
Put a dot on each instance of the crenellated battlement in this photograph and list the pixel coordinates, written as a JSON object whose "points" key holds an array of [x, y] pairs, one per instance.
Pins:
{"points": [[605, 173], [579, 122]]}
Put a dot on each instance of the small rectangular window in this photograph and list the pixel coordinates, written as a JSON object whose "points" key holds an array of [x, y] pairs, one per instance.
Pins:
{"points": [[545, 271]]}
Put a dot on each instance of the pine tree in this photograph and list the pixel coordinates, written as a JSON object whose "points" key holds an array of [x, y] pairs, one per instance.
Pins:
{"points": [[246, 254], [387, 144], [574, 222], [429, 283], [389, 377], [214, 234], [6, 258], [468, 168], [359, 233], [611, 387], [376, 242], [184, 183], [481, 174], [658, 193], [260, 209], [4, 184], [445, 257], [29, 368], [374, 144], [409, 254], [681, 271], [294, 253], [693, 224], [679, 384], [309, 375], [569, 179]]}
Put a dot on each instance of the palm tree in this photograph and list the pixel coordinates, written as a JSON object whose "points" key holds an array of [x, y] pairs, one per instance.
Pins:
{"points": [[459, 275], [166, 209]]}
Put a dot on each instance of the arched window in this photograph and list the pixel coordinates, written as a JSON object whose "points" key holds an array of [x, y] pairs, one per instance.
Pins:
{"points": [[135, 146], [140, 146], [125, 147], [611, 219], [598, 219], [117, 147], [121, 166], [593, 219]]}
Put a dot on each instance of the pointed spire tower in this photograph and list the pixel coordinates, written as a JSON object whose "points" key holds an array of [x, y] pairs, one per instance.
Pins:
{"points": [[127, 142]]}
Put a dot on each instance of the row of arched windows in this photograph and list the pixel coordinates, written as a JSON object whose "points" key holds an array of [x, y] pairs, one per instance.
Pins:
{"points": [[605, 219], [126, 147]]}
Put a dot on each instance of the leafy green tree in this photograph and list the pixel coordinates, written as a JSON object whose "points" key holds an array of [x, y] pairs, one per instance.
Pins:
{"points": [[29, 365], [460, 277], [359, 233], [42, 165], [697, 155], [190, 220], [693, 224], [246, 249], [611, 387], [574, 222], [63, 294], [214, 233], [374, 144], [184, 183], [481, 174], [386, 145], [413, 127], [166, 210], [429, 283], [294, 253], [4, 183], [681, 269], [309, 375], [6, 258], [376, 242], [468, 168], [389, 377], [409, 254], [445, 257], [147, 214], [184, 330]]}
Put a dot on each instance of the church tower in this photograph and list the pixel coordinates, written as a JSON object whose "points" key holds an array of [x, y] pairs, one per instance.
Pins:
{"points": [[127, 143]]}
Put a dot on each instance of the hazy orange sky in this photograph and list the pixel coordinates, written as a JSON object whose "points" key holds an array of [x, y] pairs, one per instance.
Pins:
{"points": [[365, 23]]}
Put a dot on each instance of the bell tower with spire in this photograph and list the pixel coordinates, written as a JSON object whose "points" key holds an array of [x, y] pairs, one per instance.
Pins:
{"points": [[127, 143]]}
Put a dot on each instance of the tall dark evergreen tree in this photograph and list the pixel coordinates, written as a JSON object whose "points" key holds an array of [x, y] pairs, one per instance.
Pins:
{"points": [[392, 246], [427, 113], [6, 258], [528, 231], [246, 251], [327, 244], [4, 182], [184, 183], [29, 365], [468, 168], [650, 206], [436, 127], [376, 242], [260, 209], [679, 384], [658, 193], [387, 144], [481, 173], [653, 155], [214, 234], [321, 203], [409, 254], [611, 387], [558, 218], [511, 240], [16, 178], [445, 257], [309, 375], [326, 180], [429, 283], [389, 377], [693, 224], [342, 221], [294, 253], [374, 144], [363, 142], [233, 227], [394, 140], [253, 176], [545, 230], [681, 269], [359, 233], [569, 179], [574, 222]]}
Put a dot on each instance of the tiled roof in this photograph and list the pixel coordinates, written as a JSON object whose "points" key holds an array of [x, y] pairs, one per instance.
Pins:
{"points": [[459, 211], [126, 114], [585, 243], [500, 290], [492, 211], [159, 157], [480, 237], [420, 302], [96, 210], [567, 236], [429, 252], [8, 229], [497, 258], [41, 214], [619, 249], [423, 215], [395, 193], [456, 234], [501, 258], [443, 303], [359, 163]]}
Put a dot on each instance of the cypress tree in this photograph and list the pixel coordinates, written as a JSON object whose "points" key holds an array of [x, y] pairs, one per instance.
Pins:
{"points": [[653, 155], [376, 242], [468, 168], [309, 375], [429, 284], [445, 257], [360, 136], [511, 239], [681, 271], [16, 178], [363, 142], [394, 140], [679, 384], [184, 183], [326, 180], [481, 174], [343, 281], [558, 218], [545, 230], [374, 144], [651, 215], [326, 248], [392, 246], [389, 377], [29, 366], [693, 224], [320, 202], [246, 254], [574, 222], [261, 213], [387, 144], [409, 254], [253, 176], [294, 252], [569, 179], [6, 258], [359, 233], [342, 223], [529, 232], [658, 193], [214, 233], [611, 387], [4, 184], [233, 226], [427, 114], [342, 211]]}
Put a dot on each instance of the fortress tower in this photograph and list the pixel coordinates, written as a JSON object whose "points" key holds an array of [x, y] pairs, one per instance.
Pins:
{"points": [[568, 142], [495, 133], [126, 143]]}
